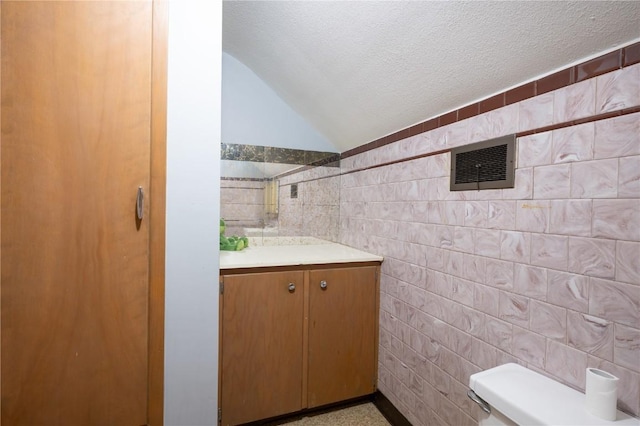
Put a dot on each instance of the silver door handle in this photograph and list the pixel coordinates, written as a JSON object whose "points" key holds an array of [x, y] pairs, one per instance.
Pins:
{"points": [[140, 203], [323, 284], [292, 287]]}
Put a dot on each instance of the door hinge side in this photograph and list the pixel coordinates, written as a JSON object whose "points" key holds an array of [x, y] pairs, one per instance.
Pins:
{"points": [[219, 415], [221, 285]]}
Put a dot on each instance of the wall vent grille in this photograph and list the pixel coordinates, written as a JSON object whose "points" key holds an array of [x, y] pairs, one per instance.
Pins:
{"points": [[484, 165]]}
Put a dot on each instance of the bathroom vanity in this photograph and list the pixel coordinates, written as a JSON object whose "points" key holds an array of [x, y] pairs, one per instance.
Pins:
{"points": [[298, 328]]}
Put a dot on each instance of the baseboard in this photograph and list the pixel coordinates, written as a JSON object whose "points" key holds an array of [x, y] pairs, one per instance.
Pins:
{"points": [[388, 410]]}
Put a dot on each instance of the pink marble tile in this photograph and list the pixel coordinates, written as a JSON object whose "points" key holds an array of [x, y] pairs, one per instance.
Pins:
{"points": [[591, 256], [571, 217], [530, 281], [470, 321], [435, 259], [573, 143], [419, 320], [534, 150], [552, 181], [475, 213], [443, 236], [463, 239], [485, 299], [568, 290], [566, 363], [590, 334], [550, 251], [618, 90], [501, 215], [487, 243], [536, 112], [615, 301], [474, 268], [440, 380], [627, 347], [523, 188], [532, 216], [453, 263], [528, 346], [455, 134], [594, 179], [492, 124], [628, 262], [548, 320], [482, 354], [462, 291], [574, 101], [629, 177], [515, 246], [513, 308], [617, 137], [435, 139], [499, 274], [498, 333], [628, 387], [454, 212], [617, 219], [415, 145]]}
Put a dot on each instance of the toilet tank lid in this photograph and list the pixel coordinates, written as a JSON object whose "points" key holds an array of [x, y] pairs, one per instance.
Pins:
{"points": [[527, 397]]}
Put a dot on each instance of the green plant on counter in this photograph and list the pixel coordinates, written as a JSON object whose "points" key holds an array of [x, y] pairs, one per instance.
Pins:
{"points": [[233, 243]]}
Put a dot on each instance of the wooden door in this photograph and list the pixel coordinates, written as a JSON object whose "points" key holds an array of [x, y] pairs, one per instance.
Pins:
{"points": [[342, 334], [75, 147], [261, 346]]}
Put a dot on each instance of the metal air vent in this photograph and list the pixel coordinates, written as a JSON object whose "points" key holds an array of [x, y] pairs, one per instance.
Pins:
{"points": [[484, 165]]}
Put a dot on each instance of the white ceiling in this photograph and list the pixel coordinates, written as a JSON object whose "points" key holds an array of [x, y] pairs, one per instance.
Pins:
{"points": [[359, 70]]}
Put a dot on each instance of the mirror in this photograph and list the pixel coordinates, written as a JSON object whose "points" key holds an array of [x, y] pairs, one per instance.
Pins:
{"points": [[256, 184]]}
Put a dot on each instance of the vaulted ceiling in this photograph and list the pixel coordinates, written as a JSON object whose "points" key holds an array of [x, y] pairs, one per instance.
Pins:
{"points": [[359, 70]]}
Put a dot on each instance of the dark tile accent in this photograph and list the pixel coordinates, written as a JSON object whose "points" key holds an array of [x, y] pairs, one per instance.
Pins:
{"points": [[430, 125], [402, 134], [555, 81], [242, 152], [389, 411], [632, 54], [492, 103], [520, 93], [359, 149], [244, 179], [600, 65], [261, 154], [468, 111], [448, 118], [415, 130]]}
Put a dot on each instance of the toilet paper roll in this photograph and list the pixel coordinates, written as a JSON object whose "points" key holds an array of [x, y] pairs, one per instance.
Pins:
{"points": [[602, 394]]}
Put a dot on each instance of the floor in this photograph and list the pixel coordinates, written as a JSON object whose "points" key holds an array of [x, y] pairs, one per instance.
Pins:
{"points": [[360, 415]]}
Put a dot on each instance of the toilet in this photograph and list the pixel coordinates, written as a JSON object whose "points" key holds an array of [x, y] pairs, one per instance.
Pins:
{"points": [[511, 394]]}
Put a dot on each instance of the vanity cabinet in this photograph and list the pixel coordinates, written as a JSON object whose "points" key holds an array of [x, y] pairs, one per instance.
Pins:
{"points": [[296, 337]]}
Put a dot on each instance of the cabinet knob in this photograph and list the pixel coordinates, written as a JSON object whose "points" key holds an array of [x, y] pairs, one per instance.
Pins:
{"points": [[323, 284], [292, 287]]}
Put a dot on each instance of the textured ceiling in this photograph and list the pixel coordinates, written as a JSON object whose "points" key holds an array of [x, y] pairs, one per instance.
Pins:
{"points": [[359, 70]]}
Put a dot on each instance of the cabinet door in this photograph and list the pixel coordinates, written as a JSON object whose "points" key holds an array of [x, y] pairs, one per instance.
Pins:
{"points": [[342, 334], [261, 346]]}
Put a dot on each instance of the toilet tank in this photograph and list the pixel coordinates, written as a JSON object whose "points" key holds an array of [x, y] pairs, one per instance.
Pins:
{"points": [[529, 398]]}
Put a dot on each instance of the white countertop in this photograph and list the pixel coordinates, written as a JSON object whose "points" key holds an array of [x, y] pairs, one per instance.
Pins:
{"points": [[288, 255]]}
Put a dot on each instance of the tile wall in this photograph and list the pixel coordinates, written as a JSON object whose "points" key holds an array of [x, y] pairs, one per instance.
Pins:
{"points": [[546, 274], [242, 204], [316, 210]]}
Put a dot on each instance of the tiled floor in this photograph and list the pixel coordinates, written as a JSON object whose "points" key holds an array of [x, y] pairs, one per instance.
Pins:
{"points": [[359, 415]]}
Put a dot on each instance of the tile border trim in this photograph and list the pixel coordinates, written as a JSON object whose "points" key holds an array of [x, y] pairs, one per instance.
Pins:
{"points": [[611, 61]]}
